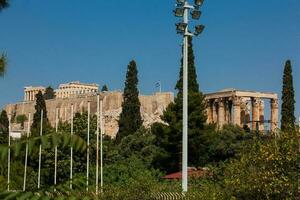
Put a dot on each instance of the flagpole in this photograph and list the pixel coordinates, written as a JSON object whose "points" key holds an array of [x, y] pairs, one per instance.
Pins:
{"points": [[101, 144], [71, 160], [26, 152], [97, 145], [40, 151], [8, 159], [55, 153], [88, 147]]}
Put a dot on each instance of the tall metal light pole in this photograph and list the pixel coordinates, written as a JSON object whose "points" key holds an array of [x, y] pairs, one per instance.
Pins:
{"points": [[182, 10], [26, 152]]}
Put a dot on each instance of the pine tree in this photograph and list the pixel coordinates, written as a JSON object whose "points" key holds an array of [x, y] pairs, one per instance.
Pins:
{"points": [[288, 99], [130, 118], [49, 93], [104, 88], [4, 127], [169, 138], [39, 106]]}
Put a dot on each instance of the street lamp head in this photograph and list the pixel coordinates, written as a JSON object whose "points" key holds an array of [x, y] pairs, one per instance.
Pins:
{"points": [[180, 27], [199, 29], [196, 14], [180, 2], [199, 2], [179, 12]]}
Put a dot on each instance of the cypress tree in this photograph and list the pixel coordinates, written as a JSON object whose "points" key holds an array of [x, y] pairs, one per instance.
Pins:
{"points": [[3, 64], [288, 99], [130, 118], [193, 85], [169, 138], [4, 127], [39, 106], [104, 88]]}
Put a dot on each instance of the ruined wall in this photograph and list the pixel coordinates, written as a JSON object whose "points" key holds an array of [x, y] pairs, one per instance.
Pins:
{"points": [[152, 107]]}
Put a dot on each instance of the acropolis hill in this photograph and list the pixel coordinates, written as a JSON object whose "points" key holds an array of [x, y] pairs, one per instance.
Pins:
{"points": [[230, 106], [79, 94]]}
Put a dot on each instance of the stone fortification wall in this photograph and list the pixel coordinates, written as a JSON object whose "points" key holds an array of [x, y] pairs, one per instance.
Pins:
{"points": [[152, 107]]}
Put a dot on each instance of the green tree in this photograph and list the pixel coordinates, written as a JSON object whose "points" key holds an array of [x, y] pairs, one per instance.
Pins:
{"points": [[104, 88], [39, 106], [21, 119], [288, 99], [267, 169], [3, 64], [4, 125], [169, 137], [49, 93], [3, 4], [130, 118]]}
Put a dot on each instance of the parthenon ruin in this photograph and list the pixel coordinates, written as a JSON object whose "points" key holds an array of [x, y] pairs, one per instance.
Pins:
{"points": [[65, 90], [243, 108], [30, 92]]}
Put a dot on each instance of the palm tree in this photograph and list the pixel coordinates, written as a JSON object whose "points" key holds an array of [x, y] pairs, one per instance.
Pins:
{"points": [[3, 62], [3, 4]]}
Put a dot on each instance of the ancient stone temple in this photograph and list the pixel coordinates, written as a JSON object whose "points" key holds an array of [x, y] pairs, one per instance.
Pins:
{"points": [[243, 108], [30, 92], [76, 88]]}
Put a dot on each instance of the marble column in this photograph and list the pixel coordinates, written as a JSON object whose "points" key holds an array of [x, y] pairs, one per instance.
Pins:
{"points": [[274, 114], [215, 112], [261, 115], [255, 112], [221, 112], [237, 111], [209, 111]]}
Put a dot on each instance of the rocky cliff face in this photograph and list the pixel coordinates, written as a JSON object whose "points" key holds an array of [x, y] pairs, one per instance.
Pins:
{"points": [[152, 107]]}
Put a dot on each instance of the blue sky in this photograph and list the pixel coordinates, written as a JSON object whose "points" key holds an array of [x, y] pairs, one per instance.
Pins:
{"points": [[244, 45]]}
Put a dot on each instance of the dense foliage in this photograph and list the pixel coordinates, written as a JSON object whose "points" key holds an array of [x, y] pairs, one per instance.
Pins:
{"points": [[288, 99], [4, 127], [49, 93]]}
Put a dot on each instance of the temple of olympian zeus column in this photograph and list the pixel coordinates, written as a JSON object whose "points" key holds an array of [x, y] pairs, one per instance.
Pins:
{"points": [[243, 108]]}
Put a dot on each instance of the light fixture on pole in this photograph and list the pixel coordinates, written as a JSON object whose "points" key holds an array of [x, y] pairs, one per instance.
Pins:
{"points": [[199, 29], [178, 12], [182, 10], [199, 2]]}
